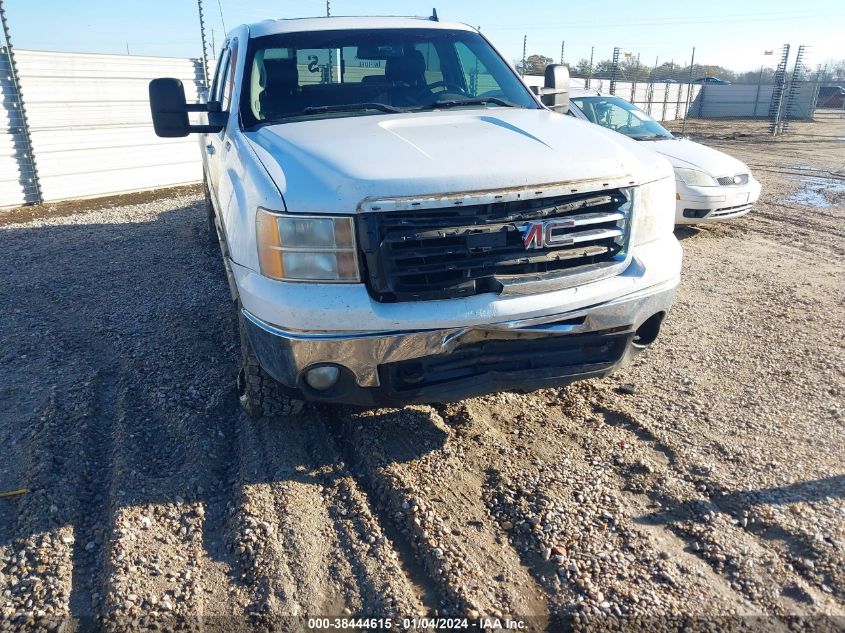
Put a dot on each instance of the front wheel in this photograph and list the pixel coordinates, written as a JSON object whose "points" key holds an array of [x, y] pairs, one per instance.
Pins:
{"points": [[259, 394]]}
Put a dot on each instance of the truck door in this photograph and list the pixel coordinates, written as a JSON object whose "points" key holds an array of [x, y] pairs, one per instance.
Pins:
{"points": [[217, 145]]}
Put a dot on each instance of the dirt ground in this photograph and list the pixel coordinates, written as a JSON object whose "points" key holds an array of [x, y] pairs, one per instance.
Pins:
{"points": [[705, 482]]}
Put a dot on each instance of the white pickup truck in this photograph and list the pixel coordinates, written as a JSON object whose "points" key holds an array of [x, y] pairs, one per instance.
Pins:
{"points": [[402, 220]]}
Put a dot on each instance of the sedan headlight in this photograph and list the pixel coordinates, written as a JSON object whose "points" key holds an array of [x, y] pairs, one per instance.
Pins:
{"points": [[306, 247], [654, 211], [695, 177]]}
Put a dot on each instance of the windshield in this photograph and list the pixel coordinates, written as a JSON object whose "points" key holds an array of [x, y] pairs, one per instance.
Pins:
{"points": [[621, 116], [296, 76]]}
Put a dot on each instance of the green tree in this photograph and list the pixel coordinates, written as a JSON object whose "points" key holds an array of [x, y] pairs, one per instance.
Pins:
{"points": [[832, 71], [582, 68], [534, 65]]}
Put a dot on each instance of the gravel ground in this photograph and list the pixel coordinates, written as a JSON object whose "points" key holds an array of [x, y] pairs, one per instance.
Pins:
{"points": [[705, 481]]}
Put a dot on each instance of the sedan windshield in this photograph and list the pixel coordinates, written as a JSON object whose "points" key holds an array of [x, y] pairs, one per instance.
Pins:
{"points": [[621, 116], [320, 74]]}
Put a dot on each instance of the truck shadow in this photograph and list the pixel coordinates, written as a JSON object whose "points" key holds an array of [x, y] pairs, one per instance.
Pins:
{"points": [[686, 231], [118, 357]]}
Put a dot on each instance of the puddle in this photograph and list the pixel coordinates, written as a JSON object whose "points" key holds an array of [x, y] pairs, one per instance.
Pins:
{"points": [[814, 191]]}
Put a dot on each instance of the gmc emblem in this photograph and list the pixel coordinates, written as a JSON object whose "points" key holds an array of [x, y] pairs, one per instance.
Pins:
{"points": [[542, 234]]}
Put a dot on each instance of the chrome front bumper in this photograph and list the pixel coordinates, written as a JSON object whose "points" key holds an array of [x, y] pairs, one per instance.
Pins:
{"points": [[286, 354]]}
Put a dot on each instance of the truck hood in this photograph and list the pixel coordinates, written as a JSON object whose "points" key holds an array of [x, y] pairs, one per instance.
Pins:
{"points": [[333, 165], [682, 152]]}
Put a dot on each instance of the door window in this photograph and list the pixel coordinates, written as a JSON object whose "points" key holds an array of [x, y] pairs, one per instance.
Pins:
{"points": [[219, 74], [224, 80]]}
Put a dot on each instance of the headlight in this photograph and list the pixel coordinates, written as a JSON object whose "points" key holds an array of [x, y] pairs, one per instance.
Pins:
{"points": [[306, 247], [695, 177], [654, 211]]}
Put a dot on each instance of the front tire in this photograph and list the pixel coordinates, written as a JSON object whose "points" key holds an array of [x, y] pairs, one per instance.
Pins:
{"points": [[259, 394]]}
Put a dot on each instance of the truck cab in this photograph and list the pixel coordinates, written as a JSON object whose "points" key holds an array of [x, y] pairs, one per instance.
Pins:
{"points": [[402, 220]]}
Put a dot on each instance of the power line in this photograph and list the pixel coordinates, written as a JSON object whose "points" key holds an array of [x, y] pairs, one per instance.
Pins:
{"points": [[594, 24], [222, 21]]}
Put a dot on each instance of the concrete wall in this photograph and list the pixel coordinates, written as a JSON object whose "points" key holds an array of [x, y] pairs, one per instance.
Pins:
{"points": [[751, 100], [91, 129]]}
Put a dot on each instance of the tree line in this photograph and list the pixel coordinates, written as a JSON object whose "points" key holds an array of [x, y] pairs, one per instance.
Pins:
{"points": [[630, 69]]}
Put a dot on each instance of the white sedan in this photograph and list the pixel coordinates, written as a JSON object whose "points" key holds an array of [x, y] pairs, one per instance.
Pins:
{"points": [[711, 186]]}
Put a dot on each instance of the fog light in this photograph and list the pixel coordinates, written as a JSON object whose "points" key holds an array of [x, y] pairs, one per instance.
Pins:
{"points": [[322, 378]]}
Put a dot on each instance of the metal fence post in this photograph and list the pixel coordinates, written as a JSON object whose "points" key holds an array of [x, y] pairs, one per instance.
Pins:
{"points": [[757, 96], [204, 46], [678, 101], [19, 124], [778, 91], [789, 110], [524, 54], [614, 70], [689, 91]]}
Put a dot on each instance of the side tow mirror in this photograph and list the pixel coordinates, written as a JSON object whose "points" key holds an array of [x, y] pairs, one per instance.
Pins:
{"points": [[170, 111], [555, 92]]}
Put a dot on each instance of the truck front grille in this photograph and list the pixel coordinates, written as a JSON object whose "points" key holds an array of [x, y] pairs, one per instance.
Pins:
{"points": [[461, 251]]}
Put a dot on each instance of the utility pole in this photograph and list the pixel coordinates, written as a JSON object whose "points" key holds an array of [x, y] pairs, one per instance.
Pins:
{"points": [[18, 123], [590, 71], [204, 45], [524, 53]]}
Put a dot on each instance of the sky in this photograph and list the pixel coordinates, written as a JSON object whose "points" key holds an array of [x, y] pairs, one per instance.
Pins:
{"points": [[724, 32]]}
